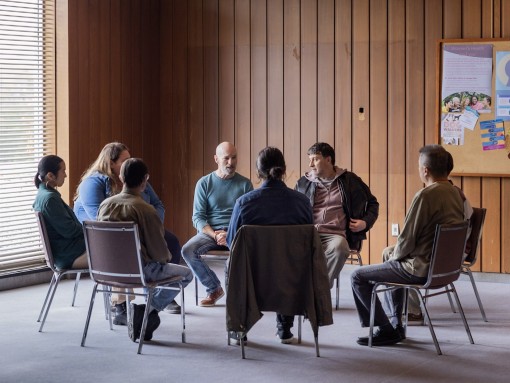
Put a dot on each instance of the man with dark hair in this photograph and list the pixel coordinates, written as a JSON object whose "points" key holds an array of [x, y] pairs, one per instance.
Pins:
{"points": [[128, 205], [271, 204], [344, 209], [439, 202]]}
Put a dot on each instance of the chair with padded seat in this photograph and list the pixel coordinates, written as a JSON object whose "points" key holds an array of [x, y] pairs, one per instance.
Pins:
{"points": [[445, 268], [476, 223], [280, 269], [115, 260], [212, 255], [57, 273]]}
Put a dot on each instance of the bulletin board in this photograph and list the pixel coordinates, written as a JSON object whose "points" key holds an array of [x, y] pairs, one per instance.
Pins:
{"points": [[474, 105]]}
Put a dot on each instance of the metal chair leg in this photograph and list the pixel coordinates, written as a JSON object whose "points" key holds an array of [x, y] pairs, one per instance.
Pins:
{"points": [[75, 288], [58, 277], [299, 330], [337, 292], [183, 314], [461, 311], [87, 322], [50, 288], [476, 294], [429, 323]]}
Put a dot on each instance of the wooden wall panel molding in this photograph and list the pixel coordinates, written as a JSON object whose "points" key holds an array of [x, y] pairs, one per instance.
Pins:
{"points": [[309, 89], [396, 203], [275, 73], [378, 125], [195, 86], [291, 88], [258, 110], [343, 82]]}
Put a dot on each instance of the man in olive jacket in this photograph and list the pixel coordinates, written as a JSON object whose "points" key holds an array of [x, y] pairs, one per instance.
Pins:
{"points": [[344, 209]]}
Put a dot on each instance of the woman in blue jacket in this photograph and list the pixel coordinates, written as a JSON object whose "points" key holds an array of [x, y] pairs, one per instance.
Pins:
{"points": [[100, 181]]}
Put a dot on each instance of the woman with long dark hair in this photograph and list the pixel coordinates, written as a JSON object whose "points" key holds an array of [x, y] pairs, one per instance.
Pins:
{"points": [[65, 232]]}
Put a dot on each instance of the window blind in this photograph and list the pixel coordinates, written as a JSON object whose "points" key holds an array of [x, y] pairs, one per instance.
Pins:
{"points": [[27, 123]]}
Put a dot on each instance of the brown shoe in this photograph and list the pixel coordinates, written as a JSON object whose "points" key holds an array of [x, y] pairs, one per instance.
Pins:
{"points": [[414, 319], [212, 298]]}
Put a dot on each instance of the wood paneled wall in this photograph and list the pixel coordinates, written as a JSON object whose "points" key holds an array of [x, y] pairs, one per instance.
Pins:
{"points": [[173, 78], [114, 77]]}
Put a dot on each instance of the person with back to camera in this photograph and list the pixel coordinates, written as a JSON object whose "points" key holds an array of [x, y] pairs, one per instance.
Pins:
{"points": [[100, 181], [344, 208], [65, 232], [128, 205], [439, 202], [215, 196], [272, 204], [414, 310]]}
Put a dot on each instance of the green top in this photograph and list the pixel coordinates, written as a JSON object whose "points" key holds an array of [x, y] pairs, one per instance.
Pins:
{"points": [[65, 232]]}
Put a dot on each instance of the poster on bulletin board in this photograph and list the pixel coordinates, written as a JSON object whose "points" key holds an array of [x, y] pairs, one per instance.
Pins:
{"points": [[474, 102]]}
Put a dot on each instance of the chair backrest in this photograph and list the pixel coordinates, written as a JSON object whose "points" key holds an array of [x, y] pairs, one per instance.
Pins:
{"points": [[473, 242], [447, 254], [272, 268], [114, 255], [45, 241]]}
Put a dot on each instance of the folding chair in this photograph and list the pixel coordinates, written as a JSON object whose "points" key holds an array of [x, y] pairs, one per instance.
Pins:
{"points": [[473, 243], [214, 255], [445, 268], [115, 260], [280, 269], [354, 256], [57, 273]]}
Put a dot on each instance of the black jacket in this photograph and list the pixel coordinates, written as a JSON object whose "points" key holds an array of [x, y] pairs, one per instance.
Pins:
{"points": [[358, 203]]}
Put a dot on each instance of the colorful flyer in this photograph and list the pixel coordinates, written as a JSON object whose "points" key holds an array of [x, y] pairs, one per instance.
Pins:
{"points": [[492, 134], [452, 131]]}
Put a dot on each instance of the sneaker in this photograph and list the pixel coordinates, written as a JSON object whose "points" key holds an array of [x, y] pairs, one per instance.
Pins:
{"points": [[401, 330], [120, 318], [173, 308], [234, 338], [212, 298], [286, 337], [382, 338], [136, 319], [153, 323]]}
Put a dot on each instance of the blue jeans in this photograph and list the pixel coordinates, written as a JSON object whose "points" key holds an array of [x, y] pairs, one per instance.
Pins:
{"points": [[192, 251], [155, 271], [390, 271]]}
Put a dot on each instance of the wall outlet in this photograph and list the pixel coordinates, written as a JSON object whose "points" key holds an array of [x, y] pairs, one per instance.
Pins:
{"points": [[394, 230]]}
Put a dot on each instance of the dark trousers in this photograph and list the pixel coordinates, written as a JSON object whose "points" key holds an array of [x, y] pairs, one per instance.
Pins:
{"points": [[172, 243], [390, 271]]}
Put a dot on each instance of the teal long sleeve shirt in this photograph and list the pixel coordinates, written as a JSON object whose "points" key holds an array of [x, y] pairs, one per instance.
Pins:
{"points": [[65, 232]]}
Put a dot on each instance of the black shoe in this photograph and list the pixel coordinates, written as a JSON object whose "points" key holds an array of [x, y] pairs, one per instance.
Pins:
{"points": [[382, 338], [173, 308], [120, 318], [285, 337], [153, 323], [234, 338], [401, 330], [135, 321]]}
